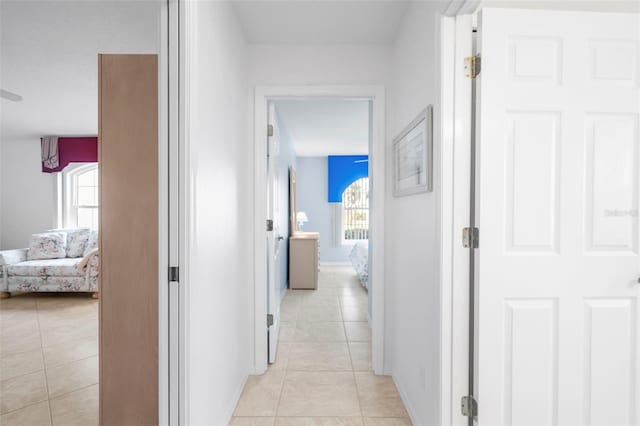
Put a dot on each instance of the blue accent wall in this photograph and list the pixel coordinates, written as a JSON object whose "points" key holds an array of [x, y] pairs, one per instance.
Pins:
{"points": [[343, 171]]}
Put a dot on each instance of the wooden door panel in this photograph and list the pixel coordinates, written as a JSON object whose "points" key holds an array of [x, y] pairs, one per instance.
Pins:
{"points": [[128, 157]]}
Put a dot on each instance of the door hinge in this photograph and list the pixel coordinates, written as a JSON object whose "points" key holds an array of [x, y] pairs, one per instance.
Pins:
{"points": [[470, 237], [174, 274], [270, 130], [469, 406], [472, 65], [269, 320], [269, 225]]}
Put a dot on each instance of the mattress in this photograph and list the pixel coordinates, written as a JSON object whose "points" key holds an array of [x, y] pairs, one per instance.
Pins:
{"points": [[359, 257]]}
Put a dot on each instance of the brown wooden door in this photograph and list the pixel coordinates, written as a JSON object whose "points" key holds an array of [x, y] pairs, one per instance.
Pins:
{"points": [[128, 161]]}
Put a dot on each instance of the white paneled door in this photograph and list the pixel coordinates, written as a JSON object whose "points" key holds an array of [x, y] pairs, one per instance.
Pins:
{"points": [[274, 237], [558, 189]]}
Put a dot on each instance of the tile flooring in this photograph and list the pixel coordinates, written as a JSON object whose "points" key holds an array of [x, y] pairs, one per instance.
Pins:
{"points": [[49, 360], [323, 374]]}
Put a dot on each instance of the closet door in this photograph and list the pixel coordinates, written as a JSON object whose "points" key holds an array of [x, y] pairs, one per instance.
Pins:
{"points": [[128, 159]]}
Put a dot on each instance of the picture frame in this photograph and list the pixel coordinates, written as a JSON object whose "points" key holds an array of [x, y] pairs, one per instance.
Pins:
{"points": [[413, 156]]}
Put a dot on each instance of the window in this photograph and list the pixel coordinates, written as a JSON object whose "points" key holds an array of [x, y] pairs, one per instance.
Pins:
{"points": [[355, 211], [80, 196]]}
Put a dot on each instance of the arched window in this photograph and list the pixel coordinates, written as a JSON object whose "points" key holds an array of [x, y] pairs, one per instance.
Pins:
{"points": [[355, 211], [80, 195]]}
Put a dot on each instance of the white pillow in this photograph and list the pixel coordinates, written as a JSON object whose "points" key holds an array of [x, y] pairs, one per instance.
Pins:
{"points": [[76, 242], [52, 245], [92, 242]]}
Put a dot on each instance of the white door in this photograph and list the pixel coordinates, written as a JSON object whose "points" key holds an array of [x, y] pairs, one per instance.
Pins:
{"points": [[274, 238], [558, 187]]}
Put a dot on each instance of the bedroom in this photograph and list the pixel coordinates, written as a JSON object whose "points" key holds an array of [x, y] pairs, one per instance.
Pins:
{"points": [[49, 321]]}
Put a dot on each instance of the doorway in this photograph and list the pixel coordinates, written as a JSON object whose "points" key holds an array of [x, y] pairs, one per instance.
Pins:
{"points": [[576, 305], [264, 96], [50, 369]]}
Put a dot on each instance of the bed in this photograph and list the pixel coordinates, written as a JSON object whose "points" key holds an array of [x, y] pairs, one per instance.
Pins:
{"points": [[359, 257]]}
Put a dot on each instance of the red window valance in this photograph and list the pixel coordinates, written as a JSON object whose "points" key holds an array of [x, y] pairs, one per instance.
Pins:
{"points": [[74, 150]]}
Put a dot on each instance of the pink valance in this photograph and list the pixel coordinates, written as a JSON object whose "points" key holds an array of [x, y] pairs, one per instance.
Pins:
{"points": [[72, 150]]}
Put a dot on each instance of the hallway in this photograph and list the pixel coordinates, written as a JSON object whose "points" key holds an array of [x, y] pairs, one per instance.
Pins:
{"points": [[323, 374]]}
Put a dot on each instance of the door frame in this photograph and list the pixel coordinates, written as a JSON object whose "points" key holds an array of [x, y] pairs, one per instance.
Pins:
{"points": [[258, 291], [456, 98]]}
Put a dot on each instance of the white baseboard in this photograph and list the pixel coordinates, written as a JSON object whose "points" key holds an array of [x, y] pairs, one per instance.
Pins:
{"points": [[403, 395], [335, 263], [234, 400]]}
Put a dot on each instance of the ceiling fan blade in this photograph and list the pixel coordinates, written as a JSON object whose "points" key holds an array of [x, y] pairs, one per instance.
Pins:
{"points": [[5, 94]]}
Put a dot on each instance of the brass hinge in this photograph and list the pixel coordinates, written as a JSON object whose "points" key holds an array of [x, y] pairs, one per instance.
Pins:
{"points": [[470, 237], [472, 65], [469, 406]]}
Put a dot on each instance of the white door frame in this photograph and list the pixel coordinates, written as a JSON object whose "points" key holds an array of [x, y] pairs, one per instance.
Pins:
{"points": [[258, 291], [166, 242], [456, 101]]}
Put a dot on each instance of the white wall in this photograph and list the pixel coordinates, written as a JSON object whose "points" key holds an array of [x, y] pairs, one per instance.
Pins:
{"points": [[219, 191], [49, 55], [27, 196], [318, 64], [312, 181], [412, 263]]}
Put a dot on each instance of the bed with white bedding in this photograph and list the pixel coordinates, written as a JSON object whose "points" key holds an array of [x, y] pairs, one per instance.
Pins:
{"points": [[359, 258]]}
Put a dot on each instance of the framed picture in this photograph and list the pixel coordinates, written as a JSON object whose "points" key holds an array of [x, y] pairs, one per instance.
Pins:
{"points": [[413, 156]]}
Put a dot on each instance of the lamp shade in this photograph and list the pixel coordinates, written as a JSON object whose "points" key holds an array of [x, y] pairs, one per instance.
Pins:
{"points": [[302, 217]]}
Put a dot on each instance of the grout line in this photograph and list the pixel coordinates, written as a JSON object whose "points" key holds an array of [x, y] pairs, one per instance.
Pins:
{"points": [[70, 392], [37, 306], [44, 364], [353, 372], [31, 404]]}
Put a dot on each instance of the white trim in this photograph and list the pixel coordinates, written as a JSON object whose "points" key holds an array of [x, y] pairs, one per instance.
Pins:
{"points": [[258, 292], [456, 134], [166, 186], [406, 401], [236, 397], [186, 44], [447, 95], [67, 188]]}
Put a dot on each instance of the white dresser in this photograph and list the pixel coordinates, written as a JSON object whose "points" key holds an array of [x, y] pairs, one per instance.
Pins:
{"points": [[304, 258]]}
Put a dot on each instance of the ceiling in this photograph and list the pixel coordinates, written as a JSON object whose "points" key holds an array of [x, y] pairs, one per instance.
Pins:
{"points": [[49, 57], [320, 22], [319, 128]]}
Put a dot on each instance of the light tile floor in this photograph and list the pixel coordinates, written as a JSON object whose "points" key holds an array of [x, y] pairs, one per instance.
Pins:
{"points": [[323, 376], [49, 360]]}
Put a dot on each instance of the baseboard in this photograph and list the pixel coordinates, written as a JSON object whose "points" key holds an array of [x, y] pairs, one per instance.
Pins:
{"points": [[403, 396], [283, 293], [335, 263], [235, 400]]}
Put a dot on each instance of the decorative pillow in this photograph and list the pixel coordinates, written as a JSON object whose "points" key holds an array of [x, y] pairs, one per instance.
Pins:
{"points": [[76, 242], [52, 245], [92, 242]]}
